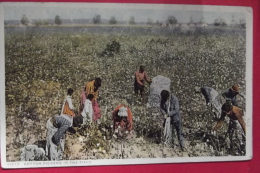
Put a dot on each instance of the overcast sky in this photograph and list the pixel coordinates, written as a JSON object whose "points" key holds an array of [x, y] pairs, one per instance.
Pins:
{"points": [[122, 12]]}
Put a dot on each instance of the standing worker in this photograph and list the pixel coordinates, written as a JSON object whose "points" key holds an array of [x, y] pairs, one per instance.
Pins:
{"points": [[170, 109], [67, 107], [87, 112], [140, 77], [92, 88]]}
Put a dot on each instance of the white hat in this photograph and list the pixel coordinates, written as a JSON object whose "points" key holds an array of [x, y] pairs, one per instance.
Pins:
{"points": [[122, 112]]}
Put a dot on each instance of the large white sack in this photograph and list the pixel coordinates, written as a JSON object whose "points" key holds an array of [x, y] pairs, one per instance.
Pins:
{"points": [[158, 84]]}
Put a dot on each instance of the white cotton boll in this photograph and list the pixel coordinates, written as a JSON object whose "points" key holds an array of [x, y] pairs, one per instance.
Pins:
{"points": [[116, 130], [98, 144], [80, 139], [211, 149], [115, 136]]}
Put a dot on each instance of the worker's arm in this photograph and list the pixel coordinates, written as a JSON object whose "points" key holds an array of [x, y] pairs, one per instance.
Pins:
{"points": [[224, 94], [220, 121], [147, 78], [241, 95]]}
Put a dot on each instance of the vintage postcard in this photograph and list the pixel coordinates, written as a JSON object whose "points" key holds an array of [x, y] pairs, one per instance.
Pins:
{"points": [[87, 84]]}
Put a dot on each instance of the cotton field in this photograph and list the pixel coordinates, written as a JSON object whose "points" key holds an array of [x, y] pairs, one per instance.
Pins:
{"points": [[41, 66]]}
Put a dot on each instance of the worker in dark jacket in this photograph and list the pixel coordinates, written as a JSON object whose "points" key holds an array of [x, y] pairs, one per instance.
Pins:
{"points": [[170, 108], [231, 93]]}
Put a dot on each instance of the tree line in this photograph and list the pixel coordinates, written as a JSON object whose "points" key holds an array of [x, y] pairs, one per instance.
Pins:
{"points": [[171, 20]]}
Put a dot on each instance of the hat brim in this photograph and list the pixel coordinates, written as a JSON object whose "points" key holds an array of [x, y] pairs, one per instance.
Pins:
{"points": [[234, 90]]}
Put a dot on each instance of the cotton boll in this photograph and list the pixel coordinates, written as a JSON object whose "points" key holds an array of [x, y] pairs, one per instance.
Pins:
{"points": [[80, 139]]}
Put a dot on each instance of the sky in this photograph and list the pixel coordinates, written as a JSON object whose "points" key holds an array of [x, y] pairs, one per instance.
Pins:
{"points": [[122, 12]]}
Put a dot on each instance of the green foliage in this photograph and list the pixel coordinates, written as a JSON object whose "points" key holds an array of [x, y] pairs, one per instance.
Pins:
{"points": [[24, 20], [131, 20], [220, 22], [112, 49], [97, 19], [38, 22], [242, 23], [158, 23], [171, 20], [149, 21], [57, 20], [112, 21]]}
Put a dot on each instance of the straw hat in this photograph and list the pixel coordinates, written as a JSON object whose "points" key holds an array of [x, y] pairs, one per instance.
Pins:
{"points": [[235, 88]]}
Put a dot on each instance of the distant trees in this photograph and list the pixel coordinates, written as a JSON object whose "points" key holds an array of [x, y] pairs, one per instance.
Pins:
{"points": [[45, 22], [242, 23], [38, 22], [24, 20], [57, 20], [149, 21], [220, 22], [158, 23], [202, 20], [171, 20], [97, 19], [191, 20], [112, 20], [132, 20]]}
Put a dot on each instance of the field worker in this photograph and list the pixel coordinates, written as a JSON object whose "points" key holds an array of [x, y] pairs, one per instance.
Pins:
{"points": [[123, 119], [231, 93], [235, 115], [82, 99], [57, 126], [87, 112], [67, 107], [212, 98], [140, 77], [92, 88], [170, 109]]}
